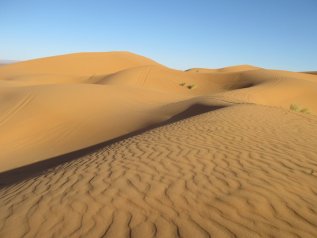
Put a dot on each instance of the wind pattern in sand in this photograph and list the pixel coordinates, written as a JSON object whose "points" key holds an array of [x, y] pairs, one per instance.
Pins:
{"points": [[232, 172]]}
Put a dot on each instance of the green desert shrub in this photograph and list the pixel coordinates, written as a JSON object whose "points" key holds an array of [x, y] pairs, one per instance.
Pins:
{"points": [[296, 108], [304, 110]]}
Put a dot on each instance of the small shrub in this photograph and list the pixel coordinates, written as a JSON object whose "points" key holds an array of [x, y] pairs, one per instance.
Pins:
{"points": [[191, 86], [182, 84], [294, 107], [304, 110]]}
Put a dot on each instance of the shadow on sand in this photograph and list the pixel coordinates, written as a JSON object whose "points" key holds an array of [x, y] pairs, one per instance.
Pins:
{"points": [[13, 176]]}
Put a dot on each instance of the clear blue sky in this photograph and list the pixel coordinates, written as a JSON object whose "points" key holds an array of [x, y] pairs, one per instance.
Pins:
{"points": [[178, 33]]}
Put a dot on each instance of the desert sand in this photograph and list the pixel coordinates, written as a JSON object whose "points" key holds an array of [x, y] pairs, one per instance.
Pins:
{"points": [[311, 72], [117, 145]]}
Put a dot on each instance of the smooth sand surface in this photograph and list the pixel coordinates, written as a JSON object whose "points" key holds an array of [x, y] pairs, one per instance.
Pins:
{"points": [[199, 153]]}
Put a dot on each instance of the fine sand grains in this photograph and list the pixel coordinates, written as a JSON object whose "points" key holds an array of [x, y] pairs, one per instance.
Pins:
{"points": [[240, 171]]}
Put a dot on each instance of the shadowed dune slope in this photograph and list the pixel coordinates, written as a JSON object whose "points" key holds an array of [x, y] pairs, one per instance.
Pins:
{"points": [[309, 72], [240, 171], [277, 88]]}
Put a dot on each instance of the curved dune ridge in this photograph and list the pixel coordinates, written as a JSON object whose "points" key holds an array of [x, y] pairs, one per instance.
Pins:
{"points": [[228, 152]]}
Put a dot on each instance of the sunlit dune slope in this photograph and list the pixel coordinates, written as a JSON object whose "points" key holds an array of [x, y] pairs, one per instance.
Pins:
{"points": [[229, 69], [70, 67]]}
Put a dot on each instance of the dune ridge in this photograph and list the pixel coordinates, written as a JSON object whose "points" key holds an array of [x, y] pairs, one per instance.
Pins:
{"points": [[207, 176], [117, 145]]}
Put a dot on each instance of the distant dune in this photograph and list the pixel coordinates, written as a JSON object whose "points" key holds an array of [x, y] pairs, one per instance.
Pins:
{"points": [[311, 72], [230, 69], [5, 62], [117, 145]]}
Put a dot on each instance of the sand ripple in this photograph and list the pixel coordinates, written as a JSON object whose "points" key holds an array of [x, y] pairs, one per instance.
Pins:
{"points": [[233, 172]]}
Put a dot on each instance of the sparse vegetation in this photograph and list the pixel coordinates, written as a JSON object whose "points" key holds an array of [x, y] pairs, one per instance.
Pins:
{"points": [[296, 108], [191, 86], [304, 110]]}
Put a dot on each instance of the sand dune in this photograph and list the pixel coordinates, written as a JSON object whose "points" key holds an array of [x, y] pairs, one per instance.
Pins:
{"points": [[5, 62], [228, 157], [241, 171], [230, 69], [311, 72], [77, 64]]}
